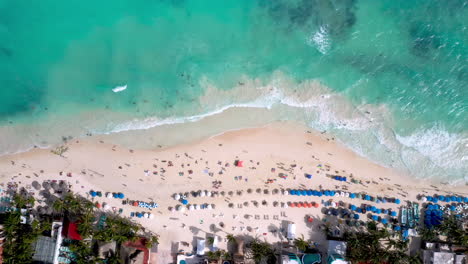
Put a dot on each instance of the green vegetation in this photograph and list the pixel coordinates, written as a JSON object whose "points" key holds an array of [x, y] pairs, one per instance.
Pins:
{"points": [[377, 245], [218, 255], [301, 244], [19, 238], [262, 250], [450, 231]]}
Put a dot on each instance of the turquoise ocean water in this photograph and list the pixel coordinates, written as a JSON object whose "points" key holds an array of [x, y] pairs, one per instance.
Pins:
{"points": [[389, 78]]}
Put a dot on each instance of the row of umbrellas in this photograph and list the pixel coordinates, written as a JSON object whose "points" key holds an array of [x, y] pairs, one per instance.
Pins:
{"points": [[192, 207], [150, 205], [117, 195], [368, 208], [303, 204], [342, 194], [442, 198], [142, 215]]}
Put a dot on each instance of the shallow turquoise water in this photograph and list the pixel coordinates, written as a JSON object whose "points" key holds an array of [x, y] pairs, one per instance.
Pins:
{"points": [[60, 60]]}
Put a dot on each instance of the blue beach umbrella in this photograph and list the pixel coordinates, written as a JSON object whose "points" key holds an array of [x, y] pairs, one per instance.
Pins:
{"points": [[384, 221], [292, 192], [353, 207], [356, 216], [93, 193], [378, 211], [326, 193], [393, 213], [121, 195], [452, 208], [319, 194], [352, 195], [375, 218], [441, 198], [367, 197], [397, 201], [309, 193], [359, 210], [429, 198], [453, 198], [184, 202], [114, 195], [397, 228], [459, 199], [435, 200], [465, 199], [385, 211], [332, 193]]}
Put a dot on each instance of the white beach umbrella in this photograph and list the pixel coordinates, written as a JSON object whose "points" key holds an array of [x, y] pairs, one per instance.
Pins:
{"points": [[209, 207], [202, 193], [424, 199], [208, 193], [285, 192], [337, 194], [109, 195], [342, 194], [346, 194], [177, 196], [182, 209], [191, 207], [146, 215], [333, 204], [173, 209], [151, 216], [196, 207], [106, 207], [179, 208]]}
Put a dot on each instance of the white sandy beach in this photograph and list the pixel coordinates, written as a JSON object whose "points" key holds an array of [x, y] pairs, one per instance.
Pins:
{"points": [[96, 164]]}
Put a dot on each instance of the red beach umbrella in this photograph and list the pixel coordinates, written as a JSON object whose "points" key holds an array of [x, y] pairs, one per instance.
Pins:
{"points": [[300, 204], [310, 219], [316, 205], [135, 203], [98, 205], [310, 205], [292, 204]]}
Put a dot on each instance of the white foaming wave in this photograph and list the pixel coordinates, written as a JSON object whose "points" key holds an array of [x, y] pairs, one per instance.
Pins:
{"points": [[320, 40], [147, 123], [441, 147]]}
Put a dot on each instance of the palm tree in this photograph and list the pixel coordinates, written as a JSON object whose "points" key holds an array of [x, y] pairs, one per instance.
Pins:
{"points": [[231, 238], [261, 250], [301, 244]]}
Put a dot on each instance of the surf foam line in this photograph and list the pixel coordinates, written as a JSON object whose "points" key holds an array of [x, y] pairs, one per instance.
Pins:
{"points": [[413, 152]]}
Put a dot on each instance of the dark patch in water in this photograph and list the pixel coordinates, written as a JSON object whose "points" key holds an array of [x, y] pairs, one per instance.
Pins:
{"points": [[337, 17], [424, 40], [6, 51]]}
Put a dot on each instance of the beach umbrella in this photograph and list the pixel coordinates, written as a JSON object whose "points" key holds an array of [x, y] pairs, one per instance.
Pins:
{"points": [[393, 213], [121, 195], [176, 196], [151, 216], [208, 193], [465, 200], [93, 193], [367, 197], [209, 207], [379, 211], [356, 216], [300, 204], [106, 206], [423, 199], [184, 202], [336, 194], [303, 192], [146, 215], [334, 212], [397, 201], [459, 199], [384, 221], [333, 204], [452, 208], [202, 193], [441, 198], [109, 195], [98, 205], [309, 192], [397, 228], [352, 195], [191, 208], [453, 198], [353, 207], [375, 218], [172, 209], [196, 206], [359, 210]]}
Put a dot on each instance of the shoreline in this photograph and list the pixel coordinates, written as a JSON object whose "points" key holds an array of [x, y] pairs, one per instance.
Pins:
{"points": [[267, 152]]}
